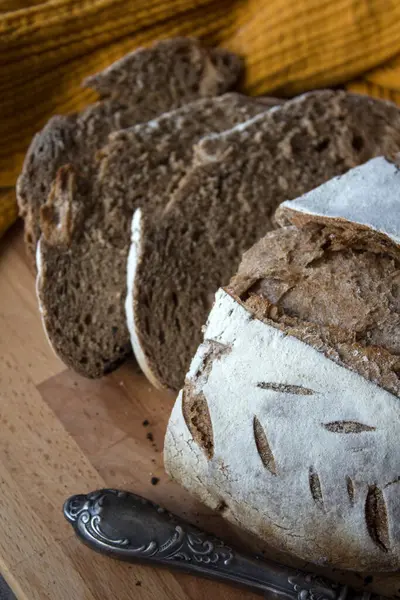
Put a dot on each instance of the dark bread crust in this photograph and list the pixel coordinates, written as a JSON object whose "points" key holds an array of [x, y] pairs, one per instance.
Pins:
{"points": [[353, 234], [333, 290], [227, 202], [86, 265], [130, 92]]}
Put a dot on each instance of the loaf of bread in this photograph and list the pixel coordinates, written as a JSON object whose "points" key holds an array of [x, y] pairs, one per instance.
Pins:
{"points": [[86, 221], [130, 93], [226, 203], [290, 413]]}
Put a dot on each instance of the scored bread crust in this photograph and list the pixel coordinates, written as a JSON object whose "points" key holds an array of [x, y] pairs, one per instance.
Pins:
{"points": [[226, 202], [330, 280], [129, 93], [331, 291], [86, 227], [301, 452], [306, 458]]}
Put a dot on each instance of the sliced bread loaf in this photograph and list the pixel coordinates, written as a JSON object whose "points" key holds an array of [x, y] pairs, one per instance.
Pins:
{"points": [[290, 413], [226, 203], [83, 252], [137, 88]]}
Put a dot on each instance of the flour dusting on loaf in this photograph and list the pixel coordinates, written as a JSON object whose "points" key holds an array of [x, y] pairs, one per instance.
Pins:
{"points": [[341, 435], [304, 404], [355, 198]]}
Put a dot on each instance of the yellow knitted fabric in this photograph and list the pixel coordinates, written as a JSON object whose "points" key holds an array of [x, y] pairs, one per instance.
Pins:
{"points": [[8, 209], [382, 82], [48, 47]]}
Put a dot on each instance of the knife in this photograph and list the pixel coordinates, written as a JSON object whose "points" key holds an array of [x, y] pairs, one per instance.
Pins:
{"points": [[128, 527]]}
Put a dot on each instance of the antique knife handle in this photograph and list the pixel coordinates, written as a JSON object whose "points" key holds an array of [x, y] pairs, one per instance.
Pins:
{"points": [[128, 527]]}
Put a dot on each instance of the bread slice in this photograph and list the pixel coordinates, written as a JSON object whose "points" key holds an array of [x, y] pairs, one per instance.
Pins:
{"points": [[86, 228], [227, 202], [135, 89], [290, 414]]}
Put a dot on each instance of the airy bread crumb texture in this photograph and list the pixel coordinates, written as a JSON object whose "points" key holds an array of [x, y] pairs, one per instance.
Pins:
{"points": [[129, 93], [86, 224]]}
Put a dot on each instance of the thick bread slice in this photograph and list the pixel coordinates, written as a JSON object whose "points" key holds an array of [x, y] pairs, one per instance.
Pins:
{"points": [[86, 228], [290, 413], [137, 88], [227, 202]]}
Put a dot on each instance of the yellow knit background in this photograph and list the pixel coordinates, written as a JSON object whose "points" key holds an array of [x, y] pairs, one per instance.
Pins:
{"points": [[290, 46]]}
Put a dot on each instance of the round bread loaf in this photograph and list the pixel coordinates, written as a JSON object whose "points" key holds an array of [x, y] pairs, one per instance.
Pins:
{"points": [[290, 413]]}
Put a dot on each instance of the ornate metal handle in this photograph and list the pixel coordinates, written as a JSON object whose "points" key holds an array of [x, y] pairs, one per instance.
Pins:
{"points": [[132, 528]]}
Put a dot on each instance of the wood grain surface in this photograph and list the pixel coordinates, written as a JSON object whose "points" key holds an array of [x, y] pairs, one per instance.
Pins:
{"points": [[61, 434]]}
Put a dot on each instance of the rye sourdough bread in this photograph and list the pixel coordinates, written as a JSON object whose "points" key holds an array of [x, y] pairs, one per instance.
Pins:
{"points": [[82, 255], [226, 203], [290, 413], [142, 85]]}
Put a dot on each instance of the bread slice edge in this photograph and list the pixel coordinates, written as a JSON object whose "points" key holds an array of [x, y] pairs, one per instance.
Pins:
{"points": [[38, 284], [134, 258]]}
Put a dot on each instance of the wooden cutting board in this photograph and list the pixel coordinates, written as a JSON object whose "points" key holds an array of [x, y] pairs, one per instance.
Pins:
{"points": [[62, 434]]}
